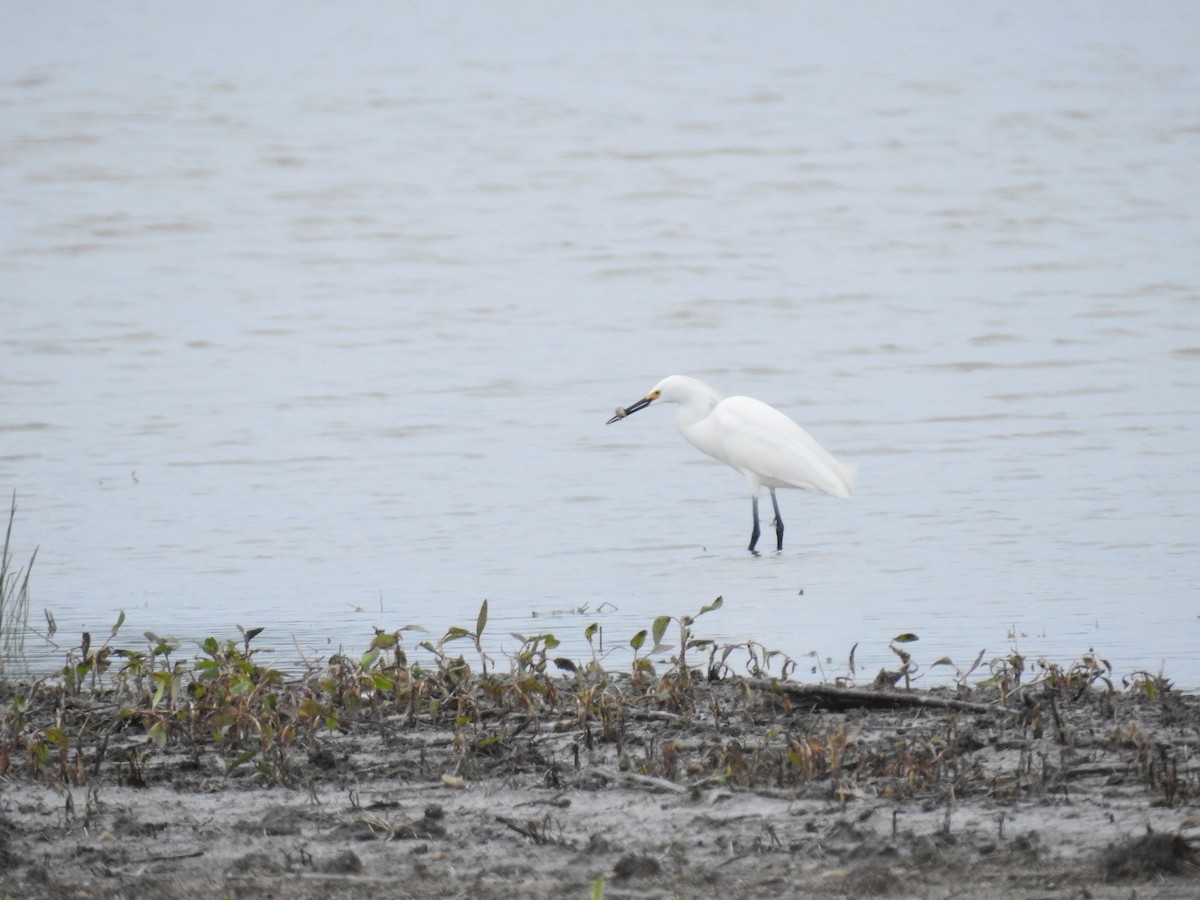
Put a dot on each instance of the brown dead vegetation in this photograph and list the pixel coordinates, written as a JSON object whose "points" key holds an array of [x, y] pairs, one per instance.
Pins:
{"points": [[136, 772]]}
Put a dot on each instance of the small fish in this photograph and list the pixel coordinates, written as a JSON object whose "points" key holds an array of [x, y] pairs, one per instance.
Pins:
{"points": [[621, 412]]}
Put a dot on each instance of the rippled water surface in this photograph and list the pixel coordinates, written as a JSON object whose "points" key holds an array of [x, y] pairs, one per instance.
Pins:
{"points": [[312, 320]]}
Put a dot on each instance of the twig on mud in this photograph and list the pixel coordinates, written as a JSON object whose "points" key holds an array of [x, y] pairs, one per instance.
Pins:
{"points": [[562, 801], [378, 825], [647, 781], [167, 857], [734, 859], [420, 830], [531, 830], [655, 715], [1093, 770]]}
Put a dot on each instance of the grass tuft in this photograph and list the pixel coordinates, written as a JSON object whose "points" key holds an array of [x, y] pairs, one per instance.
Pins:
{"points": [[14, 597]]}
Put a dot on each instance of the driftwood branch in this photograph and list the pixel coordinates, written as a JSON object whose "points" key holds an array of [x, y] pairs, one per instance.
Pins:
{"points": [[827, 696]]}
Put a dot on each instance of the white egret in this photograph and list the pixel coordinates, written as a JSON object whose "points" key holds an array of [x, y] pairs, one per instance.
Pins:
{"points": [[767, 447]]}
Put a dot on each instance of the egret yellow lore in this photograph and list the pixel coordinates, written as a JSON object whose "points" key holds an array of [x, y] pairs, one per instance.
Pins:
{"points": [[768, 448]]}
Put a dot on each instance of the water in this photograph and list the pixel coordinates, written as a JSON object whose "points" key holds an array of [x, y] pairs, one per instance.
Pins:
{"points": [[313, 321]]}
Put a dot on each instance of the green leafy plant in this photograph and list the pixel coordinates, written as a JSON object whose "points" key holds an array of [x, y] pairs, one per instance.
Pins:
{"points": [[476, 636]]}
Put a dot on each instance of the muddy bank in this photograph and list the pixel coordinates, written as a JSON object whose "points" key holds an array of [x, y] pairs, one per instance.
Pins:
{"points": [[632, 787]]}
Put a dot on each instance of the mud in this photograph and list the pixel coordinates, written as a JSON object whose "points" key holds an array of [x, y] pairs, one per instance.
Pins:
{"points": [[745, 789]]}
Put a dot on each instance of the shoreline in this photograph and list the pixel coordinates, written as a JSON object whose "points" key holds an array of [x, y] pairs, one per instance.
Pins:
{"points": [[371, 776]]}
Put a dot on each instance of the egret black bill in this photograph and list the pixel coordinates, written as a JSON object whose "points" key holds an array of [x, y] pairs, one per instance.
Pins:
{"points": [[622, 413]]}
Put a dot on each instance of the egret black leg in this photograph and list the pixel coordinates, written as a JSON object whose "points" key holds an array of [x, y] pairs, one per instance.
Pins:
{"points": [[778, 523], [756, 532]]}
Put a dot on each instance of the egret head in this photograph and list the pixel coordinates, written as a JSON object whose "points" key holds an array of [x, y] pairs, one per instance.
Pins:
{"points": [[672, 389]]}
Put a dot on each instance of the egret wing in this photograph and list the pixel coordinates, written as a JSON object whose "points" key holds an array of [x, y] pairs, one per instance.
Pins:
{"points": [[758, 439]]}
